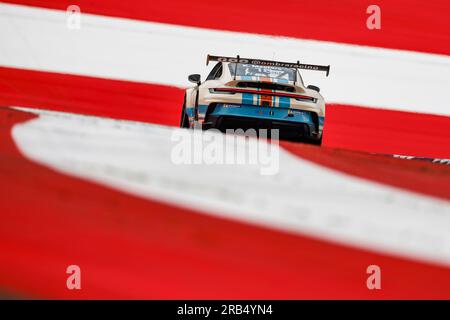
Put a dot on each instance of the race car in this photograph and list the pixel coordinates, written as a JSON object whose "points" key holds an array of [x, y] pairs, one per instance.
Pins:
{"points": [[242, 93]]}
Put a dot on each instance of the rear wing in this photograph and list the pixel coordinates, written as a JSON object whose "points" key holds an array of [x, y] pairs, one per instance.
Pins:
{"points": [[269, 63]]}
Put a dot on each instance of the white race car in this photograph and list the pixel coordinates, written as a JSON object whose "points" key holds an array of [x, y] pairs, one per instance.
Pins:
{"points": [[260, 94]]}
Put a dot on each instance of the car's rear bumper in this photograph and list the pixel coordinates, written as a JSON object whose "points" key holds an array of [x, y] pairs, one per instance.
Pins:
{"points": [[291, 123]]}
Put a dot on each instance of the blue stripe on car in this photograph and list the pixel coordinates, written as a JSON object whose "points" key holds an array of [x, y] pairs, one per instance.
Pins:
{"points": [[247, 98], [285, 102]]}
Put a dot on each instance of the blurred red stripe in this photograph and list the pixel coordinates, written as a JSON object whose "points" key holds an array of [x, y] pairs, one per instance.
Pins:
{"points": [[417, 176], [406, 24], [387, 131], [94, 96], [129, 247]]}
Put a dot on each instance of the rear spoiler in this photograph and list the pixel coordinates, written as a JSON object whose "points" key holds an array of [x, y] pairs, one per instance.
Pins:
{"points": [[269, 63]]}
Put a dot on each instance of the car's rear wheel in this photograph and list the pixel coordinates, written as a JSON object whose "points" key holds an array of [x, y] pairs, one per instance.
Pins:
{"points": [[184, 121], [318, 142]]}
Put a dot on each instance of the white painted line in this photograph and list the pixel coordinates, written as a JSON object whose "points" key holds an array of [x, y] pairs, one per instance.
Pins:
{"points": [[302, 198]]}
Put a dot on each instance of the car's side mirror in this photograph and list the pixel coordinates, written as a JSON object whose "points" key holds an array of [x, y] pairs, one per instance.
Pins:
{"points": [[315, 88], [195, 78]]}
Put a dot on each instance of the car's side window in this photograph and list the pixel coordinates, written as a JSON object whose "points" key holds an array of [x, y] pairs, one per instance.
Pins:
{"points": [[216, 72], [299, 78]]}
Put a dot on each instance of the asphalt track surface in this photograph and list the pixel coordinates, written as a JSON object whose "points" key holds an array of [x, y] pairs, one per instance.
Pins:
{"points": [[149, 244]]}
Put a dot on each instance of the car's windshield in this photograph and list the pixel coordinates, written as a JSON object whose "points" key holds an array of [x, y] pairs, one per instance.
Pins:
{"points": [[261, 71]]}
